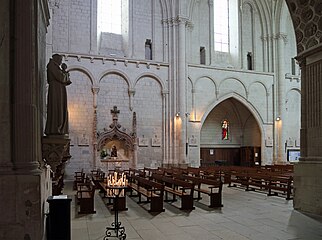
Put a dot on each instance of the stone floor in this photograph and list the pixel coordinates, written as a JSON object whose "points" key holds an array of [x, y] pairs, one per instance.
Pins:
{"points": [[245, 215]]}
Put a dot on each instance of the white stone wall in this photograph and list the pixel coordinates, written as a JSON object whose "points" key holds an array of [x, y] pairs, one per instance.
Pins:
{"points": [[151, 88]]}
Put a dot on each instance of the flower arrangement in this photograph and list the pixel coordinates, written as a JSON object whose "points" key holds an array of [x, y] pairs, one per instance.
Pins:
{"points": [[104, 153]]}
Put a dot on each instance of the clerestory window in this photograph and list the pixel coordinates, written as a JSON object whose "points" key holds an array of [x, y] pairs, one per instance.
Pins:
{"points": [[221, 25], [109, 16]]}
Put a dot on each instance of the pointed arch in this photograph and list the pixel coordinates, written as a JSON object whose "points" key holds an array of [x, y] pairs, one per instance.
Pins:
{"points": [[242, 100]]}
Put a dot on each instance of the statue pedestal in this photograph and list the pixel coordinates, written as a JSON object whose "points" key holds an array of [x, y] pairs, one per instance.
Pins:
{"points": [[55, 151]]}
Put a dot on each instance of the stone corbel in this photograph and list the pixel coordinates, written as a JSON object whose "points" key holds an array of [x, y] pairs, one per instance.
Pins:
{"points": [[131, 96], [55, 151]]}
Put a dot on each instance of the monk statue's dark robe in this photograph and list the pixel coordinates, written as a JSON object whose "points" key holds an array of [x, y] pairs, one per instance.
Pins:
{"points": [[57, 114]]}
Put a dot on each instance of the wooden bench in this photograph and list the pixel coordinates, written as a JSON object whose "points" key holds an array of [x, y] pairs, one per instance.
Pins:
{"points": [[153, 192], [79, 177], [239, 178], [207, 186], [274, 183], [85, 197], [177, 187], [97, 176], [280, 184], [137, 172]]}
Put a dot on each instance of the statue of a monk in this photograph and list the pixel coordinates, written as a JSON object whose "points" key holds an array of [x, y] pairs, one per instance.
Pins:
{"points": [[57, 114]]}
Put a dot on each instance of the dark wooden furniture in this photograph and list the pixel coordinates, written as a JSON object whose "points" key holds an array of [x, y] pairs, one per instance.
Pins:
{"points": [[153, 192], [85, 197], [210, 187], [176, 187], [79, 177]]}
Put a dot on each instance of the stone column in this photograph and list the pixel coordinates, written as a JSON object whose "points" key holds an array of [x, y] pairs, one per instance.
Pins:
{"points": [[165, 39], [280, 41], [22, 178], [165, 153], [131, 96], [265, 55], [307, 173], [26, 148], [95, 91], [211, 30], [182, 66], [93, 37]]}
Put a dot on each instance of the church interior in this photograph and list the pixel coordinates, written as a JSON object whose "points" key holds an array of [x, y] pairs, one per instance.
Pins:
{"points": [[161, 119]]}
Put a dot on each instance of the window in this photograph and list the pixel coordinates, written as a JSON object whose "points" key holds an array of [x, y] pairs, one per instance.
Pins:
{"points": [[224, 130], [293, 62], [202, 55], [249, 61], [109, 16], [148, 49], [221, 25]]}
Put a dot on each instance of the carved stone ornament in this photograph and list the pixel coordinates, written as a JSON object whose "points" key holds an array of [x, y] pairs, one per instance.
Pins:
{"points": [[55, 151], [116, 133]]}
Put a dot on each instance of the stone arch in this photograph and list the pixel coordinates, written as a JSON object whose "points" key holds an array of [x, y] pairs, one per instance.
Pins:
{"points": [[208, 77], [259, 82], [83, 70], [249, 106], [205, 92], [153, 76], [232, 78], [247, 129], [262, 104], [117, 72]]}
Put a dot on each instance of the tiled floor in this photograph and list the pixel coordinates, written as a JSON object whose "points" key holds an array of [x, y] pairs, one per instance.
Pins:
{"points": [[245, 215]]}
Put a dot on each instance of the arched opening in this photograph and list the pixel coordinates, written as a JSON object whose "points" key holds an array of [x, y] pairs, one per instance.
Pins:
{"points": [[230, 135]]}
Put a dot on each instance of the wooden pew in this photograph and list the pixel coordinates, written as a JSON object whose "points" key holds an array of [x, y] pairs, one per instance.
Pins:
{"points": [[153, 192], [177, 187], [85, 197], [263, 179], [206, 186], [137, 172], [97, 176], [280, 185], [79, 177]]}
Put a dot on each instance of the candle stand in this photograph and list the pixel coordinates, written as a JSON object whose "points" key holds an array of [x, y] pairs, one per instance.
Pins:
{"points": [[116, 230]]}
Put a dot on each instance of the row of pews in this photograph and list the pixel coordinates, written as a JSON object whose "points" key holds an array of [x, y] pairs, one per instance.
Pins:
{"points": [[274, 180], [173, 184], [156, 186], [152, 186]]}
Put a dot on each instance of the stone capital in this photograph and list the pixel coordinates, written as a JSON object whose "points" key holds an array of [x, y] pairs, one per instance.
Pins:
{"points": [[95, 90]]}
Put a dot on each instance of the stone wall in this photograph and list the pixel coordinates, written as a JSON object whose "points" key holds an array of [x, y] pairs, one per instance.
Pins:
{"points": [[152, 88]]}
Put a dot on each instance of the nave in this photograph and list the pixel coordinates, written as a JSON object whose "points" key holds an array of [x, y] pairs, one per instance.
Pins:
{"points": [[245, 215]]}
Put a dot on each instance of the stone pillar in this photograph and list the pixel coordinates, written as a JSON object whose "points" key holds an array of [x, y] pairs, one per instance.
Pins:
{"points": [[165, 153], [280, 41], [95, 91], [211, 30], [131, 96], [26, 148], [23, 179], [181, 90], [93, 37], [307, 173]]}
